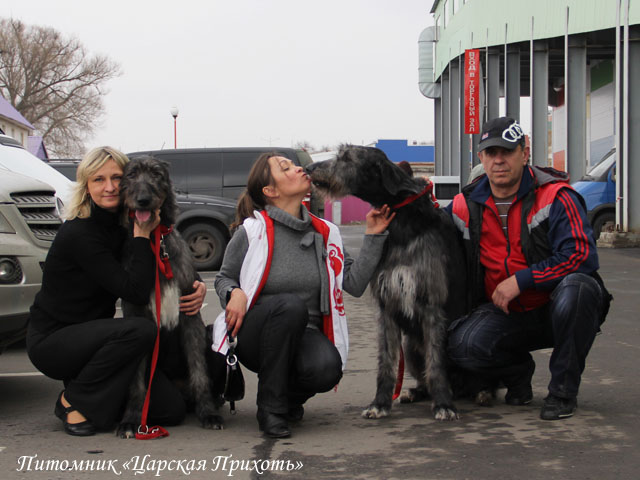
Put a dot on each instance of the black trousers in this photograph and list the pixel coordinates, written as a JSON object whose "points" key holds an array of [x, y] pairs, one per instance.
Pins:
{"points": [[491, 342], [293, 362], [97, 360]]}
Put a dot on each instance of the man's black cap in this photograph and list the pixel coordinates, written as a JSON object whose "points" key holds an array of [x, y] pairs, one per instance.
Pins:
{"points": [[502, 132]]}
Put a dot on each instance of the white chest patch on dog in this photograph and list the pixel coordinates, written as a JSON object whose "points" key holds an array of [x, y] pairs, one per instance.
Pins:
{"points": [[170, 306]]}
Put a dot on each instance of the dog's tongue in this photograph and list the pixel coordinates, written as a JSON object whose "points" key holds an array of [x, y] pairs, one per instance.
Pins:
{"points": [[142, 215]]}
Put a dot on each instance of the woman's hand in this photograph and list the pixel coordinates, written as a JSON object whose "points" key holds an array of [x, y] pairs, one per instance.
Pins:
{"points": [[235, 311], [378, 219], [144, 229], [192, 303]]}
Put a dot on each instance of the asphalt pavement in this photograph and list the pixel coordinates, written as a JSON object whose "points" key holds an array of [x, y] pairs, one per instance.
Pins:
{"points": [[602, 440]]}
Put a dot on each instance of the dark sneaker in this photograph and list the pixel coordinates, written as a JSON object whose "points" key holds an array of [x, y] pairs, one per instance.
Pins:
{"points": [[519, 390], [556, 408]]}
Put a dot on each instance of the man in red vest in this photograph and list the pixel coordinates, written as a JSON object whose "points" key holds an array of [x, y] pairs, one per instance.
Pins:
{"points": [[532, 266]]}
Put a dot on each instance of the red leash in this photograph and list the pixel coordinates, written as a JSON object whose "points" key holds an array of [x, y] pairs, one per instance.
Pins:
{"points": [[162, 265], [400, 377]]}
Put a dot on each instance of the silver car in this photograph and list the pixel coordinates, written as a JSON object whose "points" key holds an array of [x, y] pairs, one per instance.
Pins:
{"points": [[29, 221]]}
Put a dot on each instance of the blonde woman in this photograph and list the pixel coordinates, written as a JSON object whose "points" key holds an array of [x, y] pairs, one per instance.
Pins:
{"points": [[73, 335]]}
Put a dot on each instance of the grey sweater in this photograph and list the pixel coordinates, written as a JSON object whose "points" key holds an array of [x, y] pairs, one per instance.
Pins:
{"points": [[298, 263]]}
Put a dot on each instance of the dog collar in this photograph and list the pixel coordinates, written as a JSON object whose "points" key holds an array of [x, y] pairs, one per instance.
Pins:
{"points": [[428, 188]]}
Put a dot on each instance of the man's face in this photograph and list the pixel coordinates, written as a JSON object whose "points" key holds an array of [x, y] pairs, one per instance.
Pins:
{"points": [[504, 167]]}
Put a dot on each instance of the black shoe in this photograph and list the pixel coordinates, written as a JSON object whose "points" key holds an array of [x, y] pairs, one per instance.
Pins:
{"points": [[556, 408], [295, 413], [82, 429], [272, 424], [519, 390]]}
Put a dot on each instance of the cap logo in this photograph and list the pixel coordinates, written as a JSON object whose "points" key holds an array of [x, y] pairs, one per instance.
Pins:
{"points": [[513, 133], [485, 136]]}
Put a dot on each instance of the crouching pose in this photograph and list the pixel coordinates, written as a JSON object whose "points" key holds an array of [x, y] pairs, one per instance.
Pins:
{"points": [[281, 285], [532, 265], [73, 335]]}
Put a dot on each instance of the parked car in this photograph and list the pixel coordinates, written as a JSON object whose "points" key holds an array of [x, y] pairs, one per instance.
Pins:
{"points": [[203, 221], [14, 157], [445, 187], [204, 224], [598, 188], [29, 221], [30, 205], [222, 172]]}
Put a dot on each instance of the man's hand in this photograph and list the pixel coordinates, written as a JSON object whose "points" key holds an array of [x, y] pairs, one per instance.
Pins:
{"points": [[506, 291], [235, 311], [192, 303]]}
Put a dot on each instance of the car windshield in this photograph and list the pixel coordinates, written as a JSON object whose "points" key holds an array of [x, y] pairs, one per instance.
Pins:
{"points": [[603, 166]]}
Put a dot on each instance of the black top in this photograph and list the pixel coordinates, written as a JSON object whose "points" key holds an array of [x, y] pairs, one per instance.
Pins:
{"points": [[84, 275]]}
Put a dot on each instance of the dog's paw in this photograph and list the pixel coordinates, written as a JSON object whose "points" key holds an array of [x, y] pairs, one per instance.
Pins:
{"points": [[414, 395], [126, 430], [212, 422], [484, 398], [375, 412], [445, 413]]}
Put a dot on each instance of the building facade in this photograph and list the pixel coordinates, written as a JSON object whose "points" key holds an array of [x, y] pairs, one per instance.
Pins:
{"points": [[577, 61]]}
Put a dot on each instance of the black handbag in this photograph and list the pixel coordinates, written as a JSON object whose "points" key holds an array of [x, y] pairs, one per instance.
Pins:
{"points": [[234, 380], [225, 372]]}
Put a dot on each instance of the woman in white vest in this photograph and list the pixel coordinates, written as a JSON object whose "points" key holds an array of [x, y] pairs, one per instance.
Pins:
{"points": [[281, 285]]}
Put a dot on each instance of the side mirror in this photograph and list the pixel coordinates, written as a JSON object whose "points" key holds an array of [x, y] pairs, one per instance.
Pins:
{"points": [[612, 174]]}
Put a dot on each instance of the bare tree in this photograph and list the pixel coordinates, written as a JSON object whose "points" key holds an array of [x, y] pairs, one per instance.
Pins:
{"points": [[54, 83], [304, 145]]}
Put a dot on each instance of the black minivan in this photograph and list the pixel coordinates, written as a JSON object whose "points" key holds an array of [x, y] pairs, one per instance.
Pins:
{"points": [[220, 172]]}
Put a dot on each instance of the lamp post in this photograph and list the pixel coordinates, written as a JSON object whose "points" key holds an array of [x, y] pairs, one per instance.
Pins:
{"points": [[174, 114]]}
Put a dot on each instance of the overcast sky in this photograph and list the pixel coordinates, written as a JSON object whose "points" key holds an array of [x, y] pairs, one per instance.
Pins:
{"points": [[251, 72]]}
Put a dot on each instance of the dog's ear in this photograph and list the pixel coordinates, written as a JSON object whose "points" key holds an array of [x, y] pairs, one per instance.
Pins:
{"points": [[392, 178], [169, 211]]}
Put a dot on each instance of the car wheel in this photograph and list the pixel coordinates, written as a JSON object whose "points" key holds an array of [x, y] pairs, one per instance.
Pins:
{"points": [[207, 245], [601, 220]]}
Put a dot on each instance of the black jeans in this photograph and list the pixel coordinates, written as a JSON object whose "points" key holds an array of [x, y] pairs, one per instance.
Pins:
{"points": [[491, 342], [293, 362], [97, 361]]}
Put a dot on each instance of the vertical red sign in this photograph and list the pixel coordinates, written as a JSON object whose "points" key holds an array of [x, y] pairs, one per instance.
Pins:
{"points": [[472, 91]]}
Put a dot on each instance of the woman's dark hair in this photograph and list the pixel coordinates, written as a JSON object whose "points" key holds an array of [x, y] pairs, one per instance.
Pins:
{"points": [[253, 197]]}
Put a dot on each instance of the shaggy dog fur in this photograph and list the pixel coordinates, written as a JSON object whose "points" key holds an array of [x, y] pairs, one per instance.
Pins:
{"points": [[146, 187], [419, 284]]}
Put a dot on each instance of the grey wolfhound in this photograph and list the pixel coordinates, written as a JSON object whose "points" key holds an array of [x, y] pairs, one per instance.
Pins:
{"points": [[146, 187], [420, 282]]}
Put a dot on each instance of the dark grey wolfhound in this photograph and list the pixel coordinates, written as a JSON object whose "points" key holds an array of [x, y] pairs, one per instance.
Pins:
{"points": [[420, 281], [146, 187]]}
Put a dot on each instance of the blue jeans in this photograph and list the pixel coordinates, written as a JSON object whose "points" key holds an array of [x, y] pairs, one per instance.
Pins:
{"points": [[490, 342]]}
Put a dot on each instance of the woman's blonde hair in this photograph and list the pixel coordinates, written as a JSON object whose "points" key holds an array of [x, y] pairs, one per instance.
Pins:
{"points": [[80, 205]]}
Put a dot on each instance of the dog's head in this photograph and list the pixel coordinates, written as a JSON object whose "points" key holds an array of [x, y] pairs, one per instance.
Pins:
{"points": [[364, 172], [146, 187]]}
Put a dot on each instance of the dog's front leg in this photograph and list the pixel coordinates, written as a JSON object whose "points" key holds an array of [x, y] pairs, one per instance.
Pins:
{"points": [[135, 401], [388, 344], [434, 331]]}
